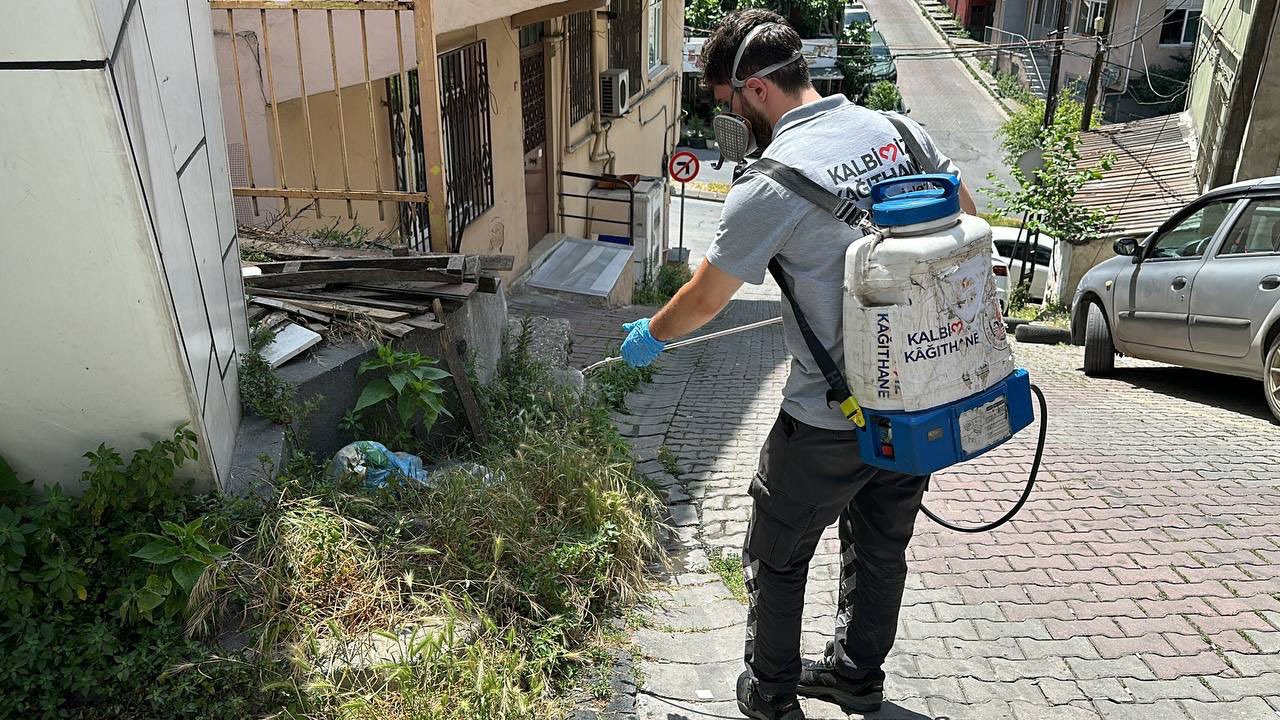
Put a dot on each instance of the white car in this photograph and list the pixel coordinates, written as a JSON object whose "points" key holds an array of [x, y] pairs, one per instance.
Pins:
{"points": [[1006, 239]]}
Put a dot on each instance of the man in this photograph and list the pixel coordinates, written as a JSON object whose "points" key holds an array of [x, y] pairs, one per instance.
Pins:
{"points": [[810, 474]]}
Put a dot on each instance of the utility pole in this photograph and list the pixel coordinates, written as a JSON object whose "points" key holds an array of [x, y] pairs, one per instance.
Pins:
{"points": [[1055, 68], [1095, 71]]}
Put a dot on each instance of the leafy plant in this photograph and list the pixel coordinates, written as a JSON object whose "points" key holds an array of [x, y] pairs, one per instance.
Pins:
{"points": [[408, 393], [145, 484], [1008, 86], [1019, 296], [1024, 129], [884, 95], [1163, 90], [185, 552], [262, 391], [853, 56], [730, 571]]}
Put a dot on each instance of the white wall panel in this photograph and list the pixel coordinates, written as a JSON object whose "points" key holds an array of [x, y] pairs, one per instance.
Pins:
{"points": [[169, 36], [144, 120], [110, 20], [202, 221], [50, 31], [211, 106], [91, 356]]}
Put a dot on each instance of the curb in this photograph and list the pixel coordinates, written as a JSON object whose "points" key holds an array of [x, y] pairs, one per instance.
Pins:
{"points": [[1036, 333]]}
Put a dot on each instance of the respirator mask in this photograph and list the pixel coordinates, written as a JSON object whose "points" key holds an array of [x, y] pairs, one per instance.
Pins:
{"points": [[734, 134]]}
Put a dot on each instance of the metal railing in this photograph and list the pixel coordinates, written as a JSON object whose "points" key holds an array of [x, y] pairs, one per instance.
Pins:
{"points": [[1004, 55], [273, 176]]}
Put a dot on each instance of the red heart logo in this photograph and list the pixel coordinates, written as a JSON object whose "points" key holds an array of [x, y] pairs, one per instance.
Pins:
{"points": [[957, 326], [889, 152]]}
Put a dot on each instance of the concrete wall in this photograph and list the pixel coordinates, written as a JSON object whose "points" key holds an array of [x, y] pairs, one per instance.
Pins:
{"points": [[118, 266]]}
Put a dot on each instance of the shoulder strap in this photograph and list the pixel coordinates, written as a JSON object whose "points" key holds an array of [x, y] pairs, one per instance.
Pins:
{"points": [[838, 388], [914, 149], [842, 209]]}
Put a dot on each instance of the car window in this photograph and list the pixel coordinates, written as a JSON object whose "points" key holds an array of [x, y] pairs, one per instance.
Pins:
{"points": [[1257, 230], [1005, 247], [1191, 236], [1043, 255]]}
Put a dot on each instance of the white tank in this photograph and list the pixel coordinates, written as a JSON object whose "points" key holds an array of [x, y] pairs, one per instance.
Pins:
{"points": [[922, 322]]}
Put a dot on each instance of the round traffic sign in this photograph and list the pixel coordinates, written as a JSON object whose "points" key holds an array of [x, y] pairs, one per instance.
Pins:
{"points": [[684, 166]]}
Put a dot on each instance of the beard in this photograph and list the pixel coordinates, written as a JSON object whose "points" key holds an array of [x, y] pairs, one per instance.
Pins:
{"points": [[760, 127]]}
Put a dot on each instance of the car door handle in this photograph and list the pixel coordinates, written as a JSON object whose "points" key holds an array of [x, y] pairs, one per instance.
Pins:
{"points": [[1270, 282], [1179, 283]]}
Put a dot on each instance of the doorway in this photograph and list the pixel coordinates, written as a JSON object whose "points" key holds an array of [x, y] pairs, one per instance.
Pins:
{"points": [[533, 105]]}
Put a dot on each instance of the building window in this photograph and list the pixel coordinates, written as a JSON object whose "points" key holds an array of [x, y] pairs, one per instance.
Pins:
{"points": [[468, 144], [1179, 27], [1086, 12], [582, 93], [625, 38], [655, 36]]}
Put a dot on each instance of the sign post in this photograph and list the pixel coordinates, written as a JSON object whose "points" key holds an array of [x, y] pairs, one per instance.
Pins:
{"points": [[683, 168]]}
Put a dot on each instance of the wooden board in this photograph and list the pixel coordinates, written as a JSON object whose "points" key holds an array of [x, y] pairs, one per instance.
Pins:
{"points": [[355, 275], [291, 341], [466, 395], [444, 291], [350, 310], [294, 309], [398, 330], [355, 298], [426, 322], [309, 254]]}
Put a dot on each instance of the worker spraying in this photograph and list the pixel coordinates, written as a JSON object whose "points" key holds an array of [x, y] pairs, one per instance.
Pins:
{"points": [[796, 213]]}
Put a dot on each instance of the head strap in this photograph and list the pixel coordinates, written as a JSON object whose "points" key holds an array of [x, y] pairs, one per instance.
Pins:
{"points": [[742, 48]]}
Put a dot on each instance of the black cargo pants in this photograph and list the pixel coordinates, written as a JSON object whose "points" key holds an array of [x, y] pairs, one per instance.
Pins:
{"points": [[808, 478]]}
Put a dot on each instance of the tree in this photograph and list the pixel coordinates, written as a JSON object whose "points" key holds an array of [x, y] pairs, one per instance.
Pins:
{"points": [[1024, 129], [855, 61], [810, 18], [1048, 199]]}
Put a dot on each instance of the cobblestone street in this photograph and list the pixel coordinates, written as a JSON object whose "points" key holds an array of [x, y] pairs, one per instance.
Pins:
{"points": [[1141, 580]]}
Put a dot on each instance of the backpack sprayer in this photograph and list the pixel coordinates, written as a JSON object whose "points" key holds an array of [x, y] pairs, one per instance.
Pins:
{"points": [[925, 344]]}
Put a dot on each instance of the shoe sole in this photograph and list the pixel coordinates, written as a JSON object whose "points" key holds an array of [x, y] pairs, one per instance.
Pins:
{"points": [[849, 703]]}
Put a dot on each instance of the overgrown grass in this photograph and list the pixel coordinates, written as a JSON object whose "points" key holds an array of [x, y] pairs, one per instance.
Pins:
{"points": [[484, 594], [996, 219], [671, 277], [1058, 316], [729, 568], [262, 392]]}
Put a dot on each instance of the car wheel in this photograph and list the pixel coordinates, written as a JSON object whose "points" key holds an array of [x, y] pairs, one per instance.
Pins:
{"points": [[1099, 352], [1271, 377]]}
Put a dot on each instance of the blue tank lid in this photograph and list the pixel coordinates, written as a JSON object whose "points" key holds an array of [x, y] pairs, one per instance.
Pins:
{"points": [[915, 206]]}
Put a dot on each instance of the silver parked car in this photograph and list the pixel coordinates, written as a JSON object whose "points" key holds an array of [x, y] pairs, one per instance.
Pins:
{"points": [[1202, 291]]}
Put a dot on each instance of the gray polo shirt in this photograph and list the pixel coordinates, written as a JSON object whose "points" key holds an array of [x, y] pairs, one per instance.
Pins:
{"points": [[845, 148]]}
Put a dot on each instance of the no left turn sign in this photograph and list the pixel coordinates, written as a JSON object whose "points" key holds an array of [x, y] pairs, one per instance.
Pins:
{"points": [[684, 166]]}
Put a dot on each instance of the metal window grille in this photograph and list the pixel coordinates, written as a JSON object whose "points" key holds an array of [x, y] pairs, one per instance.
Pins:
{"points": [[468, 142], [533, 97], [626, 39], [582, 93]]}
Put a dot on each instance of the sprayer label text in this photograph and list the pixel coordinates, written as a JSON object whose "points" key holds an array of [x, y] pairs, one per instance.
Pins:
{"points": [[940, 348], [884, 373]]}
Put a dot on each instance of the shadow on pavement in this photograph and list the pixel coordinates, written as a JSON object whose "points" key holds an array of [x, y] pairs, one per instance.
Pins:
{"points": [[1234, 394]]}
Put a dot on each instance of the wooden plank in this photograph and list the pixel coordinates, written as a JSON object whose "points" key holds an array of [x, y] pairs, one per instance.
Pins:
{"points": [[289, 343], [290, 308], [330, 194], [341, 298], [350, 310], [355, 275], [449, 291], [407, 262], [274, 320], [398, 330], [426, 321], [344, 257], [470, 407]]}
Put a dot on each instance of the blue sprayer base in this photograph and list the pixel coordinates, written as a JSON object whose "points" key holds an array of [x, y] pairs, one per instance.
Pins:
{"points": [[925, 441]]}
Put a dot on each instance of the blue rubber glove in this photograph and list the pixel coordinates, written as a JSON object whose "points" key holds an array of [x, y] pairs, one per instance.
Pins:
{"points": [[641, 347]]}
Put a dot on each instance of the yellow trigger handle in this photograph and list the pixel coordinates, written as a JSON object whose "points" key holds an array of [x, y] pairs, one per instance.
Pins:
{"points": [[853, 411]]}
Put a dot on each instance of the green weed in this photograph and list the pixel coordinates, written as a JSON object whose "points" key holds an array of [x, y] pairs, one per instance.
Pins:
{"points": [[730, 571]]}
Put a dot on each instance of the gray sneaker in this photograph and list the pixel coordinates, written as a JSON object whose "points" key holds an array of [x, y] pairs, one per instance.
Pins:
{"points": [[755, 705]]}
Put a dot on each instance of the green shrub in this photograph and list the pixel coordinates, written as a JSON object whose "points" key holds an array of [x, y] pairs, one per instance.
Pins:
{"points": [[262, 392], [93, 591], [884, 95], [404, 401]]}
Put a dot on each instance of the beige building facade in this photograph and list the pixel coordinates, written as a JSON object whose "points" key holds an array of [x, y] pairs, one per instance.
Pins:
{"points": [[520, 88]]}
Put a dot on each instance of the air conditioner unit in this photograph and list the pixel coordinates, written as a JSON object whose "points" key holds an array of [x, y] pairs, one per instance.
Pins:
{"points": [[615, 92]]}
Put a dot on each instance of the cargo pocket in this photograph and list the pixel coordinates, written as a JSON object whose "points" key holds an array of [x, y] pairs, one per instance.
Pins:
{"points": [[777, 525]]}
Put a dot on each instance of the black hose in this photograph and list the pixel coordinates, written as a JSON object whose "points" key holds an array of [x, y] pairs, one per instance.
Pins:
{"points": [[1026, 493]]}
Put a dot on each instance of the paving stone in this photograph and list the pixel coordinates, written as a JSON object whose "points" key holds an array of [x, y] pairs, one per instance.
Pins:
{"points": [[693, 647], [716, 614], [1251, 708], [1161, 709], [695, 683]]}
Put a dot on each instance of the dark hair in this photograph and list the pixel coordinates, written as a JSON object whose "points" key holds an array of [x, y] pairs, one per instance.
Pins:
{"points": [[771, 45]]}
